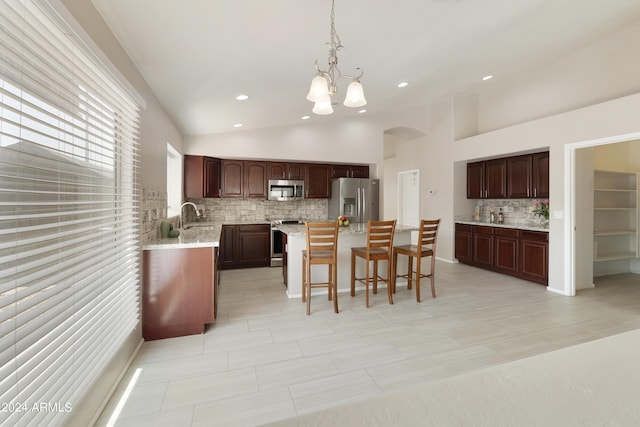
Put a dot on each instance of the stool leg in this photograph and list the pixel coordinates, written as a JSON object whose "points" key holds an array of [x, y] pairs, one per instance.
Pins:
{"points": [[433, 276], [304, 278], [418, 263], [329, 277], [334, 285], [366, 281], [308, 286], [375, 276], [353, 274], [394, 269], [389, 293]]}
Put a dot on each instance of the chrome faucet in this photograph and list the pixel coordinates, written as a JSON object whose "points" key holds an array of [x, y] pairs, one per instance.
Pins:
{"points": [[180, 223]]}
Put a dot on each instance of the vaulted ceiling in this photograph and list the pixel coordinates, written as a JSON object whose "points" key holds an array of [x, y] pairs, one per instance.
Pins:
{"points": [[198, 55]]}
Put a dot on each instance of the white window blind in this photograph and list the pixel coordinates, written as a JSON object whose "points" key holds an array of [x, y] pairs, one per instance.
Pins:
{"points": [[69, 221]]}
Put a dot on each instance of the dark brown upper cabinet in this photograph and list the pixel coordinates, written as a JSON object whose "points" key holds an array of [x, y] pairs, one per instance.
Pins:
{"points": [[285, 170], [201, 177], [516, 177], [317, 181], [487, 179], [519, 177], [349, 171]]}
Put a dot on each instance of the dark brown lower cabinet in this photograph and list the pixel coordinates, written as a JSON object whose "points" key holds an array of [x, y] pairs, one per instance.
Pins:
{"points": [[483, 242], [245, 246], [534, 256], [463, 243], [520, 253], [506, 250], [179, 291]]}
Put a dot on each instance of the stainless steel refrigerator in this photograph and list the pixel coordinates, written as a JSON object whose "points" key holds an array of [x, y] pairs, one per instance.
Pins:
{"points": [[355, 198]]}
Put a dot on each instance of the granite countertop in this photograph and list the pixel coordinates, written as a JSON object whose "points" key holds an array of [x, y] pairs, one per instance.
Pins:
{"points": [[196, 235], [360, 228], [532, 226]]}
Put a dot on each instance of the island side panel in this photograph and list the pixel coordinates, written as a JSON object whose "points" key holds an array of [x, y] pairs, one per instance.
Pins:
{"points": [[177, 294]]}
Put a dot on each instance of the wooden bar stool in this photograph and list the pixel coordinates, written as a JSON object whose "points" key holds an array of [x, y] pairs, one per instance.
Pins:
{"points": [[322, 249], [379, 243], [426, 247]]}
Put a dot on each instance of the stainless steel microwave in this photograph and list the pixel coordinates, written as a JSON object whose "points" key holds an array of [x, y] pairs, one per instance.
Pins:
{"points": [[286, 189]]}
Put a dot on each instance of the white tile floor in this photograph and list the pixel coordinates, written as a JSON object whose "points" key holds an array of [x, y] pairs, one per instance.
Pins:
{"points": [[264, 360]]}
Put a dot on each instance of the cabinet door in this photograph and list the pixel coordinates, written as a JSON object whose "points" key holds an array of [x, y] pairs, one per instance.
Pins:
{"points": [[506, 250], [227, 255], [340, 171], [317, 182], [483, 246], [540, 175], [193, 176], [534, 257], [475, 180], [211, 177], [519, 177], [359, 171], [463, 243], [232, 178], [253, 245], [277, 170], [255, 180], [496, 179], [296, 170]]}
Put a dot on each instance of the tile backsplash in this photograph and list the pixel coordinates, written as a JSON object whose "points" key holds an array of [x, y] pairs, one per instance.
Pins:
{"points": [[243, 211], [154, 211], [515, 211]]}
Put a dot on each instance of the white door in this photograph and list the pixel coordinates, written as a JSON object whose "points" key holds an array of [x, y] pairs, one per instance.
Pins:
{"points": [[409, 198]]}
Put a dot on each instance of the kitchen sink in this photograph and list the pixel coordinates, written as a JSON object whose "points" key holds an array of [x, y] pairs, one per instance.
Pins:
{"points": [[202, 227]]}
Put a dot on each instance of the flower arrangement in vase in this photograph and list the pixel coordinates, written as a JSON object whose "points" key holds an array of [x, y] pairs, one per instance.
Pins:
{"points": [[541, 210]]}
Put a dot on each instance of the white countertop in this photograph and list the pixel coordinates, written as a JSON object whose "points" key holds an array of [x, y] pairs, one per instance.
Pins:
{"points": [[532, 226], [197, 235]]}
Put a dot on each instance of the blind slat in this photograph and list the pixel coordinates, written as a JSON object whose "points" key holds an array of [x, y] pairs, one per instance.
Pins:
{"points": [[69, 213]]}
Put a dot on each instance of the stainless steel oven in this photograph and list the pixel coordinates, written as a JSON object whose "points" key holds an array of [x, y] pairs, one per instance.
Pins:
{"points": [[276, 240]]}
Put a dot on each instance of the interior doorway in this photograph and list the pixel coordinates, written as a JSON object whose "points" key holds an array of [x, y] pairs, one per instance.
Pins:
{"points": [[577, 232], [409, 197]]}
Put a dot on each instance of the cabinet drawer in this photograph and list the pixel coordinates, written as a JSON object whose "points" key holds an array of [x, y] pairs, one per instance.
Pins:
{"points": [[535, 236], [253, 228], [507, 232], [482, 229], [464, 227]]}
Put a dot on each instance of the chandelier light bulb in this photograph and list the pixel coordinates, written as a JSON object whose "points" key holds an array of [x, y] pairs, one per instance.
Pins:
{"points": [[323, 108], [319, 89], [355, 95]]}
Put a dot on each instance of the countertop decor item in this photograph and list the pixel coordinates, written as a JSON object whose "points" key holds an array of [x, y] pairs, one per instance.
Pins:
{"points": [[541, 209], [165, 228]]}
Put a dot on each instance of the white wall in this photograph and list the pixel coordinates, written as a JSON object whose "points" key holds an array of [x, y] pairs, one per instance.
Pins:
{"points": [[598, 72]]}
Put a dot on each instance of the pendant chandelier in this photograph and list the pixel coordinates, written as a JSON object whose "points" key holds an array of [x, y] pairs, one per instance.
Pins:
{"points": [[324, 84]]}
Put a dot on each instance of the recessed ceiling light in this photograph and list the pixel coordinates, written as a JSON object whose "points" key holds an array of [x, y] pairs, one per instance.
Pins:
{"points": [[305, 117], [487, 77], [403, 84], [362, 111], [237, 125], [242, 97]]}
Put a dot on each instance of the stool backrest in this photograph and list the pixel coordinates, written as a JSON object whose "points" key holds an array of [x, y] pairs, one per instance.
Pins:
{"points": [[380, 235], [322, 237], [428, 235]]}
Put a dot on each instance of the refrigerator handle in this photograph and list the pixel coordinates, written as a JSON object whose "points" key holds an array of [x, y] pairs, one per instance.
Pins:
{"points": [[364, 206], [358, 205]]}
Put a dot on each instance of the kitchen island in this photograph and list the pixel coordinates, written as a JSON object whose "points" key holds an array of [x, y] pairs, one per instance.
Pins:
{"points": [[180, 281], [354, 235]]}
